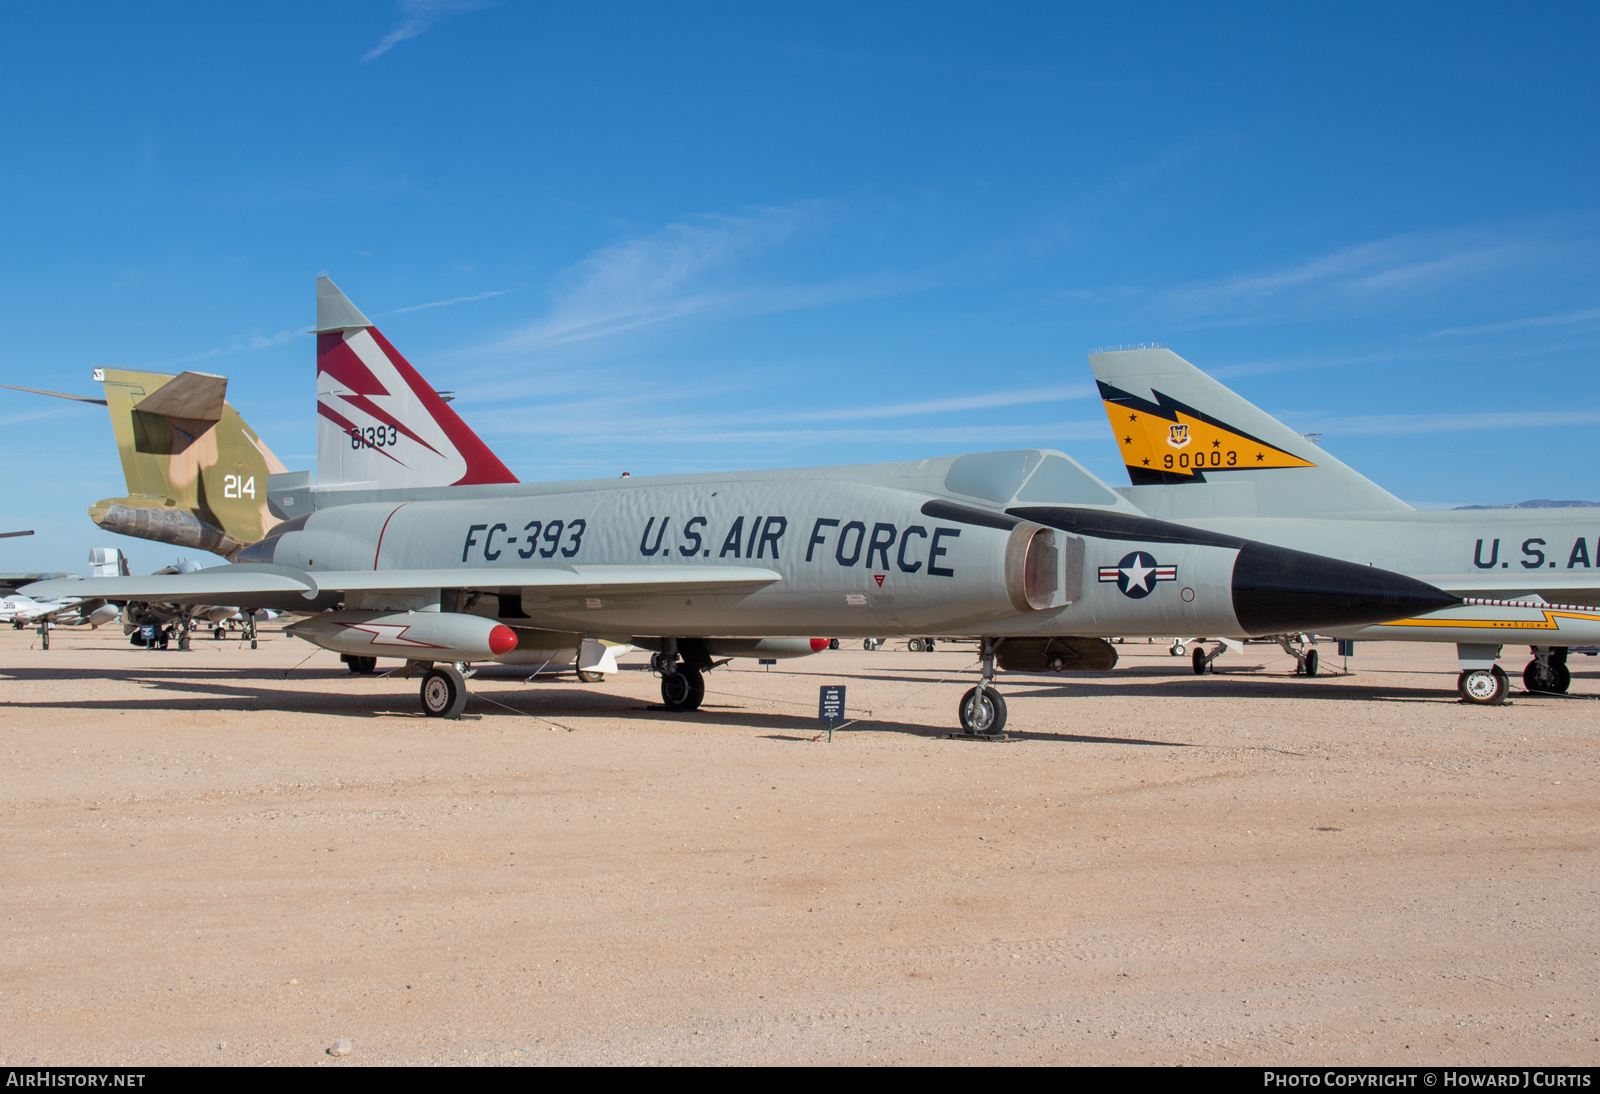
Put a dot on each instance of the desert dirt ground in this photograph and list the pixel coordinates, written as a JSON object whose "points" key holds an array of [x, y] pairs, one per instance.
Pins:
{"points": [[205, 861]]}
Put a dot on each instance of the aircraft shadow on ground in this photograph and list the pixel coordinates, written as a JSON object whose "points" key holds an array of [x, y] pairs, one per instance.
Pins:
{"points": [[1222, 687], [205, 689], [551, 705], [1157, 683], [175, 672], [175, 692]]}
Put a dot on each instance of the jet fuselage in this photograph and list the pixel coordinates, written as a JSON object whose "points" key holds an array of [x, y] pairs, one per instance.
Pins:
{"points": [[851, 552]]}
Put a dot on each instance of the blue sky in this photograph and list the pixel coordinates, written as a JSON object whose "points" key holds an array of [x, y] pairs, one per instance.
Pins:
{"points": [[685, 237]]}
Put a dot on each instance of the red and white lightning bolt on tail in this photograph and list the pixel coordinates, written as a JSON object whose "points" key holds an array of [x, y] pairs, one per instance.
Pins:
{"points": [[379, 423]]}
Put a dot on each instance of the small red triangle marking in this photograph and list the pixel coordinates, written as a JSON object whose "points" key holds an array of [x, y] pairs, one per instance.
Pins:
{"points": [[879, 579]]}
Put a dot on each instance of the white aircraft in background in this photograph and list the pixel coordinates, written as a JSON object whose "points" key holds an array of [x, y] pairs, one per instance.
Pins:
{"points": [[63, 611]]}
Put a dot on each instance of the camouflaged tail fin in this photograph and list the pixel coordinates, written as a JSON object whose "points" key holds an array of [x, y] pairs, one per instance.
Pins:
{"points": [[196, 473]]}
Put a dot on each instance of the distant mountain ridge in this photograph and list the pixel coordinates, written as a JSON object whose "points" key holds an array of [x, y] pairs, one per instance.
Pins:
{"points": [[1538, 503]]}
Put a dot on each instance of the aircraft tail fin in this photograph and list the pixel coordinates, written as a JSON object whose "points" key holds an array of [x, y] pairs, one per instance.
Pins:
{"points": [[196, 473], [379, 424], [108, 562], [1194, 448]]}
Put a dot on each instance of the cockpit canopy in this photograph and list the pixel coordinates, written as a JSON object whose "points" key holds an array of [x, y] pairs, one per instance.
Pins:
{"points": [[1027, 476]]}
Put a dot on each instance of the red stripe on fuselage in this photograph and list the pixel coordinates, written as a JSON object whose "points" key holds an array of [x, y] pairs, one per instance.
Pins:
{"points": [[382, 530]]}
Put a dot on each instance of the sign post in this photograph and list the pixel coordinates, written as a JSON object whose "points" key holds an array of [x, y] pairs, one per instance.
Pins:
{"points": [[1347, 649], [830, 705]]}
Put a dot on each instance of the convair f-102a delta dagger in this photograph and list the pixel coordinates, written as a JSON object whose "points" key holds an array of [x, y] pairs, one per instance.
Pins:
{"points": [[1197, 452], [1023, 551]]}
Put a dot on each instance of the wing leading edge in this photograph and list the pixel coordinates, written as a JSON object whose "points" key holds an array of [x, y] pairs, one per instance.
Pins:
{"points": [[229, 584]]}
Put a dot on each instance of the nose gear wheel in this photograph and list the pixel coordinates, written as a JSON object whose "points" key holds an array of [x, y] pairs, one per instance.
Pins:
{"points": [[983, 712], [1486, 687]]}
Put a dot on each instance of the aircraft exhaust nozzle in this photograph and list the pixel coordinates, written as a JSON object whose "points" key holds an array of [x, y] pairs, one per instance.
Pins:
{"points": [[176, 526], [415, 636], [1280, 591]]}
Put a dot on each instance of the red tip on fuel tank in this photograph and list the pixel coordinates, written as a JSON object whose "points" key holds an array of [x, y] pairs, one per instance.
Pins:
{"points": [[818, 645], [502, 640]]}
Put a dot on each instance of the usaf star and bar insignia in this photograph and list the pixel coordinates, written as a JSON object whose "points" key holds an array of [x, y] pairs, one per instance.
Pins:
{"points": [[1137, 574]]}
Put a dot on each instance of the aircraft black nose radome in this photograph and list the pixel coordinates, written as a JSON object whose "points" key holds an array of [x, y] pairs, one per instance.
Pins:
{"points": [[1278, 591]]}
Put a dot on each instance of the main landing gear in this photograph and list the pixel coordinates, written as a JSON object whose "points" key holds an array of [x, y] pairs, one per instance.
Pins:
{"points": [[683, 685], [361, 666], [1304, 653], [1201, 659], [983, 709], [1548, 670]]}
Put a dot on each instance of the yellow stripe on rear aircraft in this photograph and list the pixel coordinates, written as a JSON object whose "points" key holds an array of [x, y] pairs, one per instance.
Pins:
{"points": [[1548, 623], [1188, 445]]}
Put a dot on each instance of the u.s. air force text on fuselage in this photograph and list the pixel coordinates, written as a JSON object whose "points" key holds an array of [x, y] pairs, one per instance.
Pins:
{"points": [[847, 542]]}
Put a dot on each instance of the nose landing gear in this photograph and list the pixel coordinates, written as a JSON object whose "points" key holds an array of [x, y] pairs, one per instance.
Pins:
{"points": [[983, 712], [1486, 687], [1201, 659], [983, 709]]}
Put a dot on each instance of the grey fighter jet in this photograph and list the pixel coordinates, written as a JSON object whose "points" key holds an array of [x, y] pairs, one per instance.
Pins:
{"points": [[1198, 453], [1024, 551]]}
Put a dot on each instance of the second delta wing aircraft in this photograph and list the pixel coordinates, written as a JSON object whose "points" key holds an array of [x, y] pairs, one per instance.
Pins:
{"points": [[1197, 452], [1024, 551]]}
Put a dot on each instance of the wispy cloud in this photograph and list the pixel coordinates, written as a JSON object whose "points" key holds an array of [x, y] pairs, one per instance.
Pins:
{"points": [[696, 266], [588, 415], [661, 276], [1563, 319], [954, 404], [1444, 423], [452, 300], [418, 16], [602, 433], [31, 416], [245, 343], [1377, 271]]}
